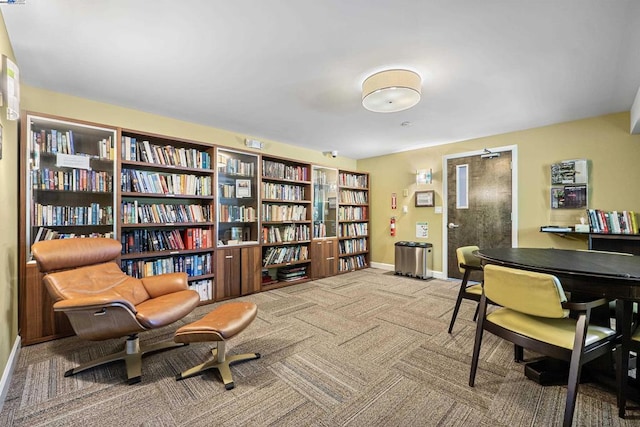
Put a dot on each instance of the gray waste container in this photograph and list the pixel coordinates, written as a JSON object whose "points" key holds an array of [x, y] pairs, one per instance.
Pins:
{"points": [[414, 259]]}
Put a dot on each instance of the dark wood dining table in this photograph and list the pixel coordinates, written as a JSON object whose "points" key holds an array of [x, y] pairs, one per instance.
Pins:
{"points": [[602, 274]]}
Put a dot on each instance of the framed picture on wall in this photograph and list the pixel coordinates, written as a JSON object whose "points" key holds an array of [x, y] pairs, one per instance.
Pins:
{"points": [[425, 198]]}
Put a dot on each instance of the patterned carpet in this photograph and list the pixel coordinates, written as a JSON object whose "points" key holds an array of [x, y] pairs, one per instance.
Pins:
{"points": [[361, 349]]}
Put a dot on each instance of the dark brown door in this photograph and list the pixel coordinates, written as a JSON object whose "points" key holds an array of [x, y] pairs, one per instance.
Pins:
{"points": [[479, 203]]}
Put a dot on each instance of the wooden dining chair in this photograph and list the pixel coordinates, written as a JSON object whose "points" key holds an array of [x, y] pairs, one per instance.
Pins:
{"points": [[468, 264], [536, 315], [631, 344]]}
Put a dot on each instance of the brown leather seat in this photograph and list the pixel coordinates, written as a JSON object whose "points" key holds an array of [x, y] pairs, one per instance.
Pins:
{"points": [[102, 302], [218, 326]]}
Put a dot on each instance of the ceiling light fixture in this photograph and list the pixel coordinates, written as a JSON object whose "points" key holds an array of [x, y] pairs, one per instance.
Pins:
{"points": [[391, 91]]}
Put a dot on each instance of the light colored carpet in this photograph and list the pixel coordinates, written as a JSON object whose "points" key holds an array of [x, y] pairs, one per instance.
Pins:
{"points": [[360, 349]]}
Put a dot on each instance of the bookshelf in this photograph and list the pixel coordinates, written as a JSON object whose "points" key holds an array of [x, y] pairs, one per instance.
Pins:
{"points": [[244, 224], [239, 250], [325, 221], [285, 191], [67, 189], [167, 208], [353, 221]]}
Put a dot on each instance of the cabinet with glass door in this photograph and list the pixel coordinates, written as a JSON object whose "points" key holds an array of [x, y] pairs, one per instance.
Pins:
{"points": [[67, 179], [325, 224]]}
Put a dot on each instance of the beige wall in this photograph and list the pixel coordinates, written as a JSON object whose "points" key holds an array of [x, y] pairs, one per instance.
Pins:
{"points": [[43, 101], [605, 141], [9, 223]]}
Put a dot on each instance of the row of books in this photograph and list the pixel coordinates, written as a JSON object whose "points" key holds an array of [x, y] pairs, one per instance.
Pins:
{"points": [[352, 245], [319, 230], [44, 233], [144, 151], [234, 213], [356, 229], [353, 196], [161, 183], [194, 265], [231, 166], [273, 212], [204, 288], [352, 263], [618, 222], [73, 180], [279, 170], [282, 254], [284, 192], [52, 215], [288, 233], [145, 240], [156, 213], [352, 180], [353, 213], [56, 141]]}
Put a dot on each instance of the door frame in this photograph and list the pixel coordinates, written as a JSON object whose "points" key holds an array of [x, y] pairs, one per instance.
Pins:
{"points": [[514, 197]]}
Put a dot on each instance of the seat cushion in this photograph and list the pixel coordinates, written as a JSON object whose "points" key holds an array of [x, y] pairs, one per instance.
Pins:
{"points": [[558, 332], [474, 289], [221, 323], [166, 309]]}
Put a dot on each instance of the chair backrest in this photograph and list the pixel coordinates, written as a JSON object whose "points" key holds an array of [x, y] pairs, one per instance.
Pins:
{"points": [[63, 254], [536, 294], [465, 256], [80, 267]]}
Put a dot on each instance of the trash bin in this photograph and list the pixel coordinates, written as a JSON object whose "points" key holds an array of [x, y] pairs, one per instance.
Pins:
{"points": [[414, 259]]}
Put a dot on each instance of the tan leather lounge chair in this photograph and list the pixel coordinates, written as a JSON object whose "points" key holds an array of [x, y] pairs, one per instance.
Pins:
{"points": [[102, 302], [535, 315]]}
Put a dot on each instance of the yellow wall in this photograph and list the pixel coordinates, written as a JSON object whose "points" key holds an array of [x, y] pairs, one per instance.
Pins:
{"points": [[9, 223], [44, 101], [605, 141]]}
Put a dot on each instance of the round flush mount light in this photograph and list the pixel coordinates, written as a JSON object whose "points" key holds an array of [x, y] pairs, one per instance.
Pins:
{"points": [[391, 91]]}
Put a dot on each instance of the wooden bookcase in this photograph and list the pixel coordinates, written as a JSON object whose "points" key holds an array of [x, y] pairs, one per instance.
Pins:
{"points": [[237, 223], [244, 224], [285, 191], [167, 208], [353, 221], [67, 188]]}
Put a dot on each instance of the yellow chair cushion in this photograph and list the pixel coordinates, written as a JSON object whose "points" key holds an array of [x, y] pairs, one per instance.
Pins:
{"points": [[474, 289], [558, 332], [528, 292]]}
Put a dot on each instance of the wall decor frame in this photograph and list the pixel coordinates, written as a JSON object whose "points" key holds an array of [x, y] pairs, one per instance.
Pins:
{"points": [[425, 198]]}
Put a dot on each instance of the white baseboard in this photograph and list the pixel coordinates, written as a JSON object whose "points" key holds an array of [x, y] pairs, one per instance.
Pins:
{"points": [[391, 267], [8, 370]]}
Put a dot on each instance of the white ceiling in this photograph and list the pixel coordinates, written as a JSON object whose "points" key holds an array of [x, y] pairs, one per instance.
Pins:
{"points": [[291, 70]]}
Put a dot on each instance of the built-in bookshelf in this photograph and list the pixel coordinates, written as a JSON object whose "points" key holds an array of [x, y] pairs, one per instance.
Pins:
{"points": [[237, 175], [246, 223], [167, 212], [353, 221], [67, 189], [285, 191]]}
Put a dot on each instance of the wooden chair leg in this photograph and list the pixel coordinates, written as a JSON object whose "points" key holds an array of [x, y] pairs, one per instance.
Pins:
{"points": [[463, 286], [575, 369], [478, 341]]}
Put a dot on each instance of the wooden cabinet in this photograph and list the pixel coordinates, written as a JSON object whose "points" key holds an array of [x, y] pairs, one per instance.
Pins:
{"points": [[324, 258], [238, 272]]}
